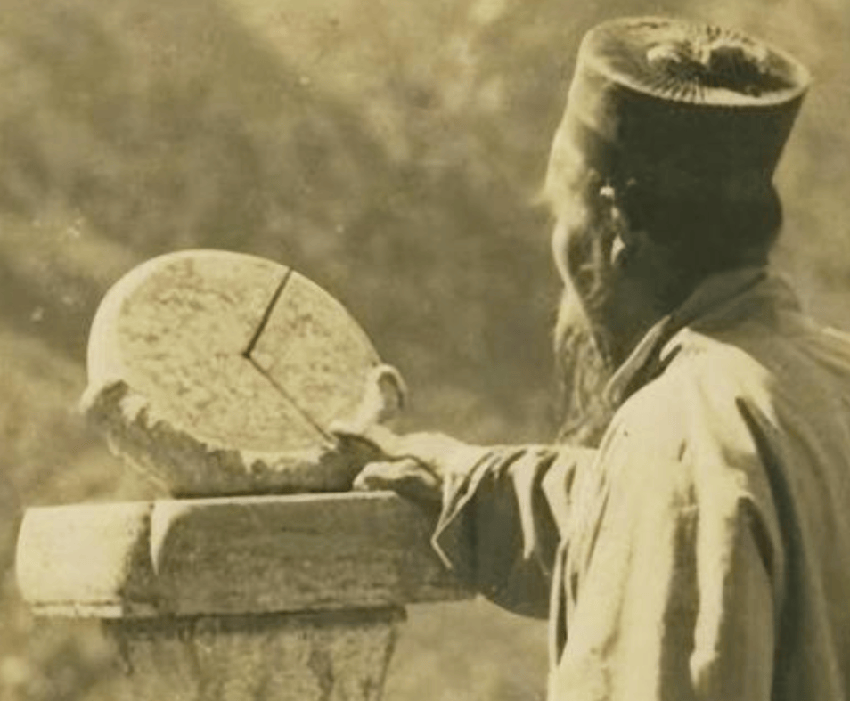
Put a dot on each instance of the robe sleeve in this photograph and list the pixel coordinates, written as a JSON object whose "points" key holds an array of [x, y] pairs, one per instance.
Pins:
{"points": [[503, 516], [675, 586]]}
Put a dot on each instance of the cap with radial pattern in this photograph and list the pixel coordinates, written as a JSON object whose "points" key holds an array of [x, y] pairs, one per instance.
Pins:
{"points": [[677, 105]]}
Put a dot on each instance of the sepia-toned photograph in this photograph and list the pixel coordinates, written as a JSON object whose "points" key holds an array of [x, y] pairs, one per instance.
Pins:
{"points": [[463, 350]]}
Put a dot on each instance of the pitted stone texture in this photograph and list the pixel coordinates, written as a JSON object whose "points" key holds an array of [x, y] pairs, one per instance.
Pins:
{"points": [[218, 373], [339, 656], [231, 556], [305, 348], [296, 553]]}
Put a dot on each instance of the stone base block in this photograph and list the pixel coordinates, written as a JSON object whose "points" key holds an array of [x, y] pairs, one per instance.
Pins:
{"points": [[327, 656]]}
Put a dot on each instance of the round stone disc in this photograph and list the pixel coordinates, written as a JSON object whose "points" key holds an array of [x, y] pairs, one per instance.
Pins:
{"points": [[219, 373]]}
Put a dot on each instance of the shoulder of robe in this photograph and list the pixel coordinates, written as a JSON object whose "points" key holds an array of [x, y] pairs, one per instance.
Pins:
{"points": [[703, 378], [694, 412], [689, 432]]}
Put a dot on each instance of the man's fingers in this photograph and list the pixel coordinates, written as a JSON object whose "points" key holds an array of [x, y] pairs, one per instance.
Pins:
{"points": [[384, 397], [392, 390], [382, 440], [408, 478]]}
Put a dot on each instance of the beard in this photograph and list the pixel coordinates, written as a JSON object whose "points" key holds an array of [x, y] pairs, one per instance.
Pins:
{"points": [[582, 411]]}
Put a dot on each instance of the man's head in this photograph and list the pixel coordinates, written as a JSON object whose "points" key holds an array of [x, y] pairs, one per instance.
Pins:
{"points": [[661, 172]]}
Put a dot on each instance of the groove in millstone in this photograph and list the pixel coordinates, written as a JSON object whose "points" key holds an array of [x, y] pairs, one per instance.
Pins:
{"points": [[249, 349], [303, 412], [266, 315]]}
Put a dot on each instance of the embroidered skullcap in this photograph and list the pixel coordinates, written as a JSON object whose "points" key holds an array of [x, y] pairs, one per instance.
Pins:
{"points": [[679, 106]]}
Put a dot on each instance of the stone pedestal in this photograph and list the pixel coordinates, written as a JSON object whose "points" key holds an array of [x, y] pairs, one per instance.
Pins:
{"points": [[270, 598], [220, 374]]}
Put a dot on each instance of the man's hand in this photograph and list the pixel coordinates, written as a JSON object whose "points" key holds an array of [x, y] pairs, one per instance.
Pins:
{"points": [[407, 477], [412, 465]]}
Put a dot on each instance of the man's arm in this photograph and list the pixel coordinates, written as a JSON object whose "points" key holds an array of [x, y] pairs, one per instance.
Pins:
{"points": [[510, 503]]}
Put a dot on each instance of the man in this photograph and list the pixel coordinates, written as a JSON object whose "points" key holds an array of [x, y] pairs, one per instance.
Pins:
{"points": [[702, 550]]}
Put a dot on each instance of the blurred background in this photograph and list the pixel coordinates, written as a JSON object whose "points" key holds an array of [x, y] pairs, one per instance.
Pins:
{"points": [[389, 149]]}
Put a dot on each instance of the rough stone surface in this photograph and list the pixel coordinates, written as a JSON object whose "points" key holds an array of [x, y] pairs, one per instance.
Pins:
{"points": [[218, 373], [306, 349], [334, 656], [231, 556]]}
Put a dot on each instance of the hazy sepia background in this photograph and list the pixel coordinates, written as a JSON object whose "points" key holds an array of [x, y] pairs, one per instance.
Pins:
{"points": [[390, 150]]}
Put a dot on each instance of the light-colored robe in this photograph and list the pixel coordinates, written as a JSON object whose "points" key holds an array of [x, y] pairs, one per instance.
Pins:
{"points": [[703, 553]]}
